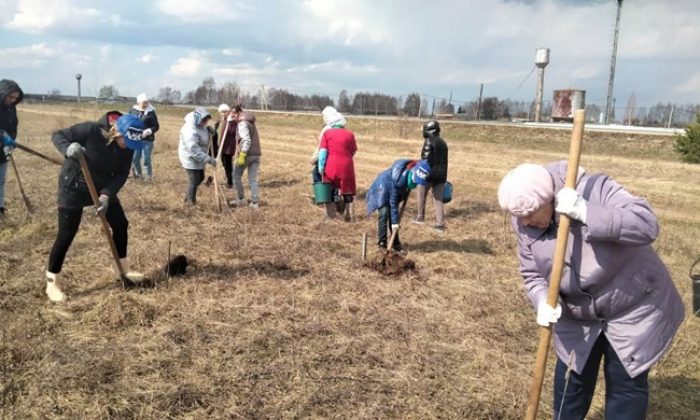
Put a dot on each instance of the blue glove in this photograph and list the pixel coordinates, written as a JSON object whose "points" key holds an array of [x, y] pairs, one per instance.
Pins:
{"points": [[7, 140]]}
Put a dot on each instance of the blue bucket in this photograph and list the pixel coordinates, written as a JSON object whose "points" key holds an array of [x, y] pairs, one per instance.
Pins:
{"points": [[447, 193]]}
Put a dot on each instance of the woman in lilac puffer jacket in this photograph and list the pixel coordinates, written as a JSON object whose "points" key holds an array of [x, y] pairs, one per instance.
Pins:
{"points": [[617, 301]]}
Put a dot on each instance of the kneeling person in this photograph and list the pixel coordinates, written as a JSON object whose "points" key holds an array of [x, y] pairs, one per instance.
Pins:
{"points": [[108, 147], [389, 190]]}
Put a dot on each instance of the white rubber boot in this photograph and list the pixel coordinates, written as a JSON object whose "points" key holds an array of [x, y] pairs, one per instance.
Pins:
{"points": [[133, 276], [52, 290]]}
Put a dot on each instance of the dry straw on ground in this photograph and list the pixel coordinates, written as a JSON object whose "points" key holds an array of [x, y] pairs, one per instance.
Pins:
{"points": [[279, 318]]}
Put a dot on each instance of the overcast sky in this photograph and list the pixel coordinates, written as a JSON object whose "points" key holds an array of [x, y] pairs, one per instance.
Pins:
{"points": [[323, 46]]}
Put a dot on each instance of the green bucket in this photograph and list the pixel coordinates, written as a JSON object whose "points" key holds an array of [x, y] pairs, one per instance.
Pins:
{"points": [[323, 192]]}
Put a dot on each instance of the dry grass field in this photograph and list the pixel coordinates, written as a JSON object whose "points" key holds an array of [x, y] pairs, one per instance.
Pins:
{"points": [[279, 318]]}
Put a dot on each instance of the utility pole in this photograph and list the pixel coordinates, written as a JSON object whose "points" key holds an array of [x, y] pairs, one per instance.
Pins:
{"points": [[432, 113], [78, 77], [478, 104], [420, 106], [613, 59]]}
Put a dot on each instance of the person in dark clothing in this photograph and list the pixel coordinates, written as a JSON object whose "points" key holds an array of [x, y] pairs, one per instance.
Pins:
{"points": [[435, 153], [107, 146], [389, 190], [10, 96], [147, 114], [229, 146]]}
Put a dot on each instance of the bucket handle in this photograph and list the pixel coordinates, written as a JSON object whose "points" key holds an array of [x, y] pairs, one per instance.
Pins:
{"points": [[690, 274]]}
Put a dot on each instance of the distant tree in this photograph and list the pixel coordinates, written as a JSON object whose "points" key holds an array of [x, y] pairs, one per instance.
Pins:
{"points": [[445, 108], [165, 95], [189, 97], [176, 97], [108, 92], [412, 105], [344, 101], [320, 101], [489, 108], [229, 93], [688, 144], [53, 94]]}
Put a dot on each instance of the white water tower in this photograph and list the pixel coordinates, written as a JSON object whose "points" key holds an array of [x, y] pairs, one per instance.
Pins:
{"points": [[541, 61], [78, 77]]}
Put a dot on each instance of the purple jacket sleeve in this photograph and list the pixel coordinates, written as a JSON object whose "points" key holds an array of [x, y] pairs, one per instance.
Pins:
{"points": [[535, 285], [618, 216]]}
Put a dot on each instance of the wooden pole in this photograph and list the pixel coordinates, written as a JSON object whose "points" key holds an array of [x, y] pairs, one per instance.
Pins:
{"points": [[35, 153], [364, 246], [105, 226], [27, 203], [557, 268]]}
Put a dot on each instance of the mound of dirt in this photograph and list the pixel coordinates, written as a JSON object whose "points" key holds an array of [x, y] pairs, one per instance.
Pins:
{"points": [[390, 263]]}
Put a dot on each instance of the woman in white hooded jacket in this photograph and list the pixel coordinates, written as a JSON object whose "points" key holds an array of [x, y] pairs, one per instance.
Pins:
{"points": [[194, 144]]}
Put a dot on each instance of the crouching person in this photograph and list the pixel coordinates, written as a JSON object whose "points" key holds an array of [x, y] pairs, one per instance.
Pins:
{"points": [[108, 148], [389, 190]]}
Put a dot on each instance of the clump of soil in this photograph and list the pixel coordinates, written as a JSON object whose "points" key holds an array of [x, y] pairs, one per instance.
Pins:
{"points": [[176, 267], [390, 263]]}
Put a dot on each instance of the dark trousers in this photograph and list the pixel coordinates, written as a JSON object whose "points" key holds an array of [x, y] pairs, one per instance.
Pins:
{"points": [[626, 398], [227, 160], [68, 224], [384, 222], [195, 176], [316, 175]]}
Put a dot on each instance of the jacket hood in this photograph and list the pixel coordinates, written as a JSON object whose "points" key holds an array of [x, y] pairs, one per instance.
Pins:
{"points": [[247, 116], [103, 122], [189, 118], [8, 86], [558, 171], [399, 172]]}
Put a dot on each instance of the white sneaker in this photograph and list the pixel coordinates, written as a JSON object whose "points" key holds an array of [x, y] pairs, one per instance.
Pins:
{"points": [[52, 290], [254, 206], [238, 202]]}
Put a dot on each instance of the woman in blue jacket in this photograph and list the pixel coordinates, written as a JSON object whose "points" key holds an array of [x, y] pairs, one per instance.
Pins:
{"points": [[389, 190]]}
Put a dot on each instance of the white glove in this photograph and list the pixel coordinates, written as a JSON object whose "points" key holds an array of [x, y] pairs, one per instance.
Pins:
{"points": [[211, 161], [546, 314], [570, 203], [146, 133], [395, 227]]}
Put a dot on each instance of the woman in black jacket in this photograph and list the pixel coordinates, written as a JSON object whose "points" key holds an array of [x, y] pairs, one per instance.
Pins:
{"points": [[10, 96], [107, 146], [435, 153]]}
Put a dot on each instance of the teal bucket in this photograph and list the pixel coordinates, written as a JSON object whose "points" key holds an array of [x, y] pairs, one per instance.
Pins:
{"points": [[323, 192], [447, 193]]}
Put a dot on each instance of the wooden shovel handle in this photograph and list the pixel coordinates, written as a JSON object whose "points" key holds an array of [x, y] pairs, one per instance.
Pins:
{"points": [[37, 154], [27, 203], [557, 268], [105, 225]]}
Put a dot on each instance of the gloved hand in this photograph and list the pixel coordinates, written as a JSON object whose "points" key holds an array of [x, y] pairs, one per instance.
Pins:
{"points": [[74, 151], [8, 150], [570, 203], [146, 133], [394, 227], [7, 141], [104, 204], [547, 315], [240, 161], [211, 161]]}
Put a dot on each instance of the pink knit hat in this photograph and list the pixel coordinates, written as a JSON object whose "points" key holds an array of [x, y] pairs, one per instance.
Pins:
{"points": [[525, 189]]}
